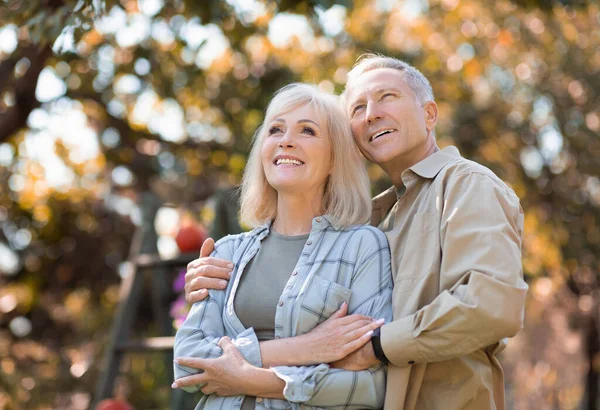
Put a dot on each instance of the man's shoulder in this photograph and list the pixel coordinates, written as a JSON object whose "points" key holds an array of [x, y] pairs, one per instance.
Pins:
{"points": [[464, 171]]}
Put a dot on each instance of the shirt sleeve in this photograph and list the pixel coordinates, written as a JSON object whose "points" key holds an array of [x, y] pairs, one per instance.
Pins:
{"points": [[325, 387], [203, 327], [480, 237]]}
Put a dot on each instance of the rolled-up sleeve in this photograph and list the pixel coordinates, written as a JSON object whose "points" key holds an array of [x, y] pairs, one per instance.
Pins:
{"points": [[481, 272], [202, 329], [371, 285]]}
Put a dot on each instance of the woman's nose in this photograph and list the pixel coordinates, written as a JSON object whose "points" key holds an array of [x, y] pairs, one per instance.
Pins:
{"points": [[287, 140]]}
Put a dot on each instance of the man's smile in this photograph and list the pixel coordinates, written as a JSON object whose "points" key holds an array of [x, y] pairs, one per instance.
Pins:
{"points": [[380, 133]]}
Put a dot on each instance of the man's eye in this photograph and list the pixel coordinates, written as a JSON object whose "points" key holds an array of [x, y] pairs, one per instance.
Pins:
{"points": [[387, 95], [309, 131], [357, 109], [274, 130]]}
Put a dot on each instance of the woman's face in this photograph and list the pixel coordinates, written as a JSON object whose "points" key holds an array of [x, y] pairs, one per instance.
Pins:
{"points": [[296, 152]]}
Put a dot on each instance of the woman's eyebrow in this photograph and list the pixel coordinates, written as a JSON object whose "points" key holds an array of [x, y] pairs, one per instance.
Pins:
{"points": [[307, 120]]}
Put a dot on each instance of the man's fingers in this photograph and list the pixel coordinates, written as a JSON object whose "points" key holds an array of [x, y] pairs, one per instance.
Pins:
{"points": [[207, 283], [197, 296], [210, 261], [207, 247]]}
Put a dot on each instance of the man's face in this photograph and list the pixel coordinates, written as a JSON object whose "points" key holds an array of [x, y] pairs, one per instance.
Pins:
{"points": [[388, 124]]}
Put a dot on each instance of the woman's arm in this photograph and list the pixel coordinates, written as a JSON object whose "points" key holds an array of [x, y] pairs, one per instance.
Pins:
{"points": [[323, 386], [199, 335]]}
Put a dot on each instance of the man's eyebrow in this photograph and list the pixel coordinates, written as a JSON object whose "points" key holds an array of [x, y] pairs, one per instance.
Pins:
{"points": [[378, 91]]}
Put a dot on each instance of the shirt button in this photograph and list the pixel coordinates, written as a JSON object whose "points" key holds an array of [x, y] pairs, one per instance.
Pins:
{"points": [[411, 362], [309, 243], [280, 303], [318, 219], [294, 273], [259, 399]]}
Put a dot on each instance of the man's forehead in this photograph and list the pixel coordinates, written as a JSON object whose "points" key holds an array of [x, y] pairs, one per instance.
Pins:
{"points": [[374, 80]]}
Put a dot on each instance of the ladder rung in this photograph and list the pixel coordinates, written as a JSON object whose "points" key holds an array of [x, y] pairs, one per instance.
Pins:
{"points": [[148, 344], [154, 261]]}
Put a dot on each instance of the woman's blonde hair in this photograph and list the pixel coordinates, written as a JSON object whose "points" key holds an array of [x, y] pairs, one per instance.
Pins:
{"points": [[347, 191]]}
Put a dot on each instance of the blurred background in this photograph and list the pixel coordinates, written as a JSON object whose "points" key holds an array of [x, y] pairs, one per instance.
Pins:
{"points": [[108, 105]]}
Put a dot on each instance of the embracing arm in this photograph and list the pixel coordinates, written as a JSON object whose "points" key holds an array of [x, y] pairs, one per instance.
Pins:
{"points": [[481, 234]]}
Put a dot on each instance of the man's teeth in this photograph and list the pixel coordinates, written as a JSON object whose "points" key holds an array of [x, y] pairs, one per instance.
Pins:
{"points": [[286, 161], [379, 134]]}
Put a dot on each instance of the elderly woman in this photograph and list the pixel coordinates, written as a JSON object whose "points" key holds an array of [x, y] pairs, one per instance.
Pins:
{"points": [[306, 193]]}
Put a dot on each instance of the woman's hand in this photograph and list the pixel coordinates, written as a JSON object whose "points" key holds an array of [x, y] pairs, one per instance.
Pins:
{"points": [[206, 273], [361, 359], [338, 336], [224, 376], [230, 375], [332, 340]]}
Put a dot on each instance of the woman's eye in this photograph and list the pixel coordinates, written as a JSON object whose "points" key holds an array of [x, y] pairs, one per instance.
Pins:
{"points": [[274, 130], [309, 131], [386, 95]]}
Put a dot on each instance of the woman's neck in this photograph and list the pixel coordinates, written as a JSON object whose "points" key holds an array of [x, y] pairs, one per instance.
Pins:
{"points": [[295, 213]]}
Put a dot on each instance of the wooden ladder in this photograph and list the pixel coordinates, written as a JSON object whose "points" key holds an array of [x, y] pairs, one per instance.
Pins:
{"points": [[143, 262]]}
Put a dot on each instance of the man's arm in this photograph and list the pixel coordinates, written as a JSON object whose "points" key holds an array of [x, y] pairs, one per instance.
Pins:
{"points": [[481, 235]]}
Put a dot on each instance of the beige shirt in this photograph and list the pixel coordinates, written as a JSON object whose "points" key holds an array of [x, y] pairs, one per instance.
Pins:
{"points": [[455, 235]]}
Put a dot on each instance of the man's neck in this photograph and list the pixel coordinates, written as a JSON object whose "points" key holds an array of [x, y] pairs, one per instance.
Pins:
{"points": [[396, 168]]}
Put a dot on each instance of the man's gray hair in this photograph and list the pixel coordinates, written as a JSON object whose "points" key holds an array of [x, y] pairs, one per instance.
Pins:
{"points": [[418, 83]]}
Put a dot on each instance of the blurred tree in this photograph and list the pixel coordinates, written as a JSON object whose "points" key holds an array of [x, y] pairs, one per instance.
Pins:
{"points": [[103, 100]]}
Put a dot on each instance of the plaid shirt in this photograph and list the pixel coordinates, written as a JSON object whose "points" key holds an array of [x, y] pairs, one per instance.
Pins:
{"points": [[336, 265]]}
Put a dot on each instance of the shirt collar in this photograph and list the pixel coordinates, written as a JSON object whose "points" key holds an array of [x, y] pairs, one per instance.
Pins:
{"points": [[319, 222], [433, 164], [385, 200]]}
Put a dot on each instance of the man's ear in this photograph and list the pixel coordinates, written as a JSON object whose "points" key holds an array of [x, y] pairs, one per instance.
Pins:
{"points": [[431, 115]]}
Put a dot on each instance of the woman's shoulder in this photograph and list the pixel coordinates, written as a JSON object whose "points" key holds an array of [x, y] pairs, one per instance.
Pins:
{"points": [[366, 236], [228, 244]]}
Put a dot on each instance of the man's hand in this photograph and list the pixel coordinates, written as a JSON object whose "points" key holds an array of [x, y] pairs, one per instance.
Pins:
{"points": [[206, 273], [226, 375], [361, 359], [339, 335]]}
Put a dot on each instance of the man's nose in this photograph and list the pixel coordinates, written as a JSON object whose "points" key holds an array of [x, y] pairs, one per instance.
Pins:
{"points": [[372, 112]]}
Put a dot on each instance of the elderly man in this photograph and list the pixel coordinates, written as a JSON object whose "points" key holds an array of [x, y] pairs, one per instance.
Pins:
{"points": [[455, 232]]}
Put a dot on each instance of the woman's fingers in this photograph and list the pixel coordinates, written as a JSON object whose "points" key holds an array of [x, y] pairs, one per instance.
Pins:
{"points": [[189, 381], [366, 327]]}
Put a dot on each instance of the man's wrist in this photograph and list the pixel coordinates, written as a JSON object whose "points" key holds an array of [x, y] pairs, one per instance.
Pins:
{"points": [[377, 348]]}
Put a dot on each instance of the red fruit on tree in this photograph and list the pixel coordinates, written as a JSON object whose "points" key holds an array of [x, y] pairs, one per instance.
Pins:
{"points": [[113, 404], [190, 238]]}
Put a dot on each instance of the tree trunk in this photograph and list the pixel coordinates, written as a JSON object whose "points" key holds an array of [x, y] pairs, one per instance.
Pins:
{"points": [[592, 351]]}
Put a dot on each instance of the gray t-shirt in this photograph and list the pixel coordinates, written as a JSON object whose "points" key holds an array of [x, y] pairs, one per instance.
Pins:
{"points": [[262, 284]]}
